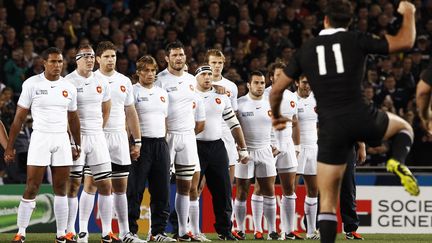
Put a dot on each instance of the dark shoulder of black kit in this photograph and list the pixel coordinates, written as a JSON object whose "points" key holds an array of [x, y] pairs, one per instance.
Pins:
{"points": [[426, 74], [334, 65]]}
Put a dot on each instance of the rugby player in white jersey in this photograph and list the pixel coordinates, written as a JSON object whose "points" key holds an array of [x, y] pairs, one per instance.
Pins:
{"points": [[94, 102], [307, 158], [122, 113], [181, 139], [255, 119], [153, 165], [216, 59], [213, 154], [53, 105], [288, 143]]}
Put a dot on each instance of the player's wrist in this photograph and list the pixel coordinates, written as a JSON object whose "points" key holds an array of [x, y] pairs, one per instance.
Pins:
{"points": [[297, 148], [137, 142]]}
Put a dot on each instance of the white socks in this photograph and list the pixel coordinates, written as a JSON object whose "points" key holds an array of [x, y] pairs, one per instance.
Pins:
{"points": [[105, 206], [257, 212], [25, 211], [194, 212], [86, 204], [121, 209], [182, 207], [73, 211], [288, 210], [61, 214], [240, 214], [310, 209], [270, 212]]}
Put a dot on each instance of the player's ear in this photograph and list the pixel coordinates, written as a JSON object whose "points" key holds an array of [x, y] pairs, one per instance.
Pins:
{"points": [[248, 85], [166, 59]]}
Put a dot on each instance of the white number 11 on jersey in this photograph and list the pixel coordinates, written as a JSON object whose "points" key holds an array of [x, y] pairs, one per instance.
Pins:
{"points": [[321, 59]]}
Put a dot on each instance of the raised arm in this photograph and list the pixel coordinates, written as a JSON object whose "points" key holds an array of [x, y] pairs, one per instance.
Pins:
{"points": [[405, 38]]}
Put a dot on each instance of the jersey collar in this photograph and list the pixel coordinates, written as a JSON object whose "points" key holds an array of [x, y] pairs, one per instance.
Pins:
{"points": [[331, 31]]}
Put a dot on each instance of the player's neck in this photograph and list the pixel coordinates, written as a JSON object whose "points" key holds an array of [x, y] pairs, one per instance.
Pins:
{"points": [[254, 97], [84, 73], [147, 86], [217, 78], [174, 72], [51, 77], [107, 72]]}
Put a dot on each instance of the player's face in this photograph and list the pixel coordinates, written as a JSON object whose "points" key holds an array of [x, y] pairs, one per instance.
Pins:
{"points": [[303, 87], [107, 60], [204, 80], [257, 85], [176, 59], [147, 74], [87, 61], [54, 65], [277, 74], [216, 64]]}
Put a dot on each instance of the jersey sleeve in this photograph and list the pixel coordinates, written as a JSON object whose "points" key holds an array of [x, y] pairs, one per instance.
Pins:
{"points": [[129, 97], [106, 90], [26, 97], [233, 98], [293, 69], [73, 104], [200, 109], [426, 74], [372, 44]]}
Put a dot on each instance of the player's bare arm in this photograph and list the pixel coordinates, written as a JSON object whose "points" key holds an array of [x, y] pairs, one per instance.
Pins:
{"points": [[20, 116], [199, 126], [423, 101], [106, 108], [276, 94], [75, 130], [405, 38], [133, 125]]}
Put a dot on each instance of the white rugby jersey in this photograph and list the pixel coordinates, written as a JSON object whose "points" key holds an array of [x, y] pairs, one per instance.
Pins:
{"points": [[91, 92], [215, 106], [121, 96], [181, 93], [308, 119], [152, 108], [255, 120], [49, 102]]}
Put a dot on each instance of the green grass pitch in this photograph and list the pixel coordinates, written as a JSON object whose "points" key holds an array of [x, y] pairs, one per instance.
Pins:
{"points": [[369, 238]]}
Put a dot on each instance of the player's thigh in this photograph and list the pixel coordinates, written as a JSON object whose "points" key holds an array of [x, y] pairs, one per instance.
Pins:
{"points": [[265, 164], [396, 124], [118, 146]]}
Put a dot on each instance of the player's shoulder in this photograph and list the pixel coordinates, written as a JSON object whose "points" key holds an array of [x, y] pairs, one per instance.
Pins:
{"points": [[162, 75], [243, 99], [34, 79], [122, 77]]}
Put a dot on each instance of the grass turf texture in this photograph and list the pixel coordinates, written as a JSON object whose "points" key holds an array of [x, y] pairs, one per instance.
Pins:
{"points": [[369, 238]]}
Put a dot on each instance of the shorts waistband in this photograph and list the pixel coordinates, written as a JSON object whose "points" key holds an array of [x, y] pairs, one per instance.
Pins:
{"points": [[208, 142], [149, 139]]}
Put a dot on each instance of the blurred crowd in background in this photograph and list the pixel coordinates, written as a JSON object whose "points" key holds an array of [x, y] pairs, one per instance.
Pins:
{"points": [[252, 34]]}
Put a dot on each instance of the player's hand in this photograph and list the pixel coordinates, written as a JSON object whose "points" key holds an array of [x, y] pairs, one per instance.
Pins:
{"points": [[135, 152], [406, 7], [427, 126], [219, 89], [243, 156], [275, 151], [9, 155], [76, 152], [280, 122]]}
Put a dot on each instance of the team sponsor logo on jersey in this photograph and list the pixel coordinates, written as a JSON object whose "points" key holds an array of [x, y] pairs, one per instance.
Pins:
{"points": [[292, 104], [99, 89], [65, 93], [248, 113], [162, 99], [300, 110], [191, 87], [123, 88], [41, 92], [171, 89], [269, 113], [193, 105], [80, 89], [139, 99], [218, 101]]}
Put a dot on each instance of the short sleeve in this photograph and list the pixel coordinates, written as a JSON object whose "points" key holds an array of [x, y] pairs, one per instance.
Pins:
{"points": [[129, 96], [26, 97], [73, 104], [106, 91], [199, 109], [372, 44], [233, 97]]}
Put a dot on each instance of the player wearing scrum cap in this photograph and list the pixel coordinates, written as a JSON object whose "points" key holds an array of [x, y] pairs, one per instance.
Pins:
{"points": [[153, 165], [212, 152], [53, 105], [255, 119], [181, 138], [94, 102]]}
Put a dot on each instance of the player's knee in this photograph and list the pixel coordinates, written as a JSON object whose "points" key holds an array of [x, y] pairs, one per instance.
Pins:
{"points": [[104, 186]]}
